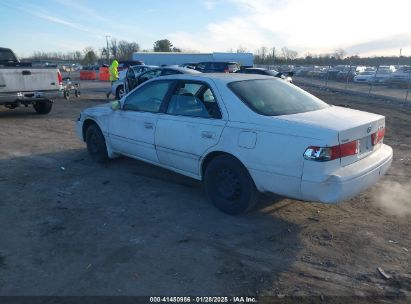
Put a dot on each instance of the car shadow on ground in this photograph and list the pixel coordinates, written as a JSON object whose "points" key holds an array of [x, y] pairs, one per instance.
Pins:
{"points": [[72, 227]]}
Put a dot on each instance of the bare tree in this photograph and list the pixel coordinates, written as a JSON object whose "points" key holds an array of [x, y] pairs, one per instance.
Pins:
{"points": [[339, 54], [288, 54], [126, 50], [113, 46], [242, 49]]}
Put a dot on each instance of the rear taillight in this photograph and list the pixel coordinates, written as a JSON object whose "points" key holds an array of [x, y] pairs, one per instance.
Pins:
{"points": [[378, 136], [59, 78], [226, 71], [331, 153]]}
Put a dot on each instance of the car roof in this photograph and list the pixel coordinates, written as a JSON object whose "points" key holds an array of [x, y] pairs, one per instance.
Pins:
{"points": [[261, 69], [181, 69], [144, 65], [222, 77], [228, 62]]}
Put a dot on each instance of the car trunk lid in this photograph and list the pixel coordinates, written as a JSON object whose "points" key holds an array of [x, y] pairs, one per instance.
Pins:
{"points": [[366, 129]]}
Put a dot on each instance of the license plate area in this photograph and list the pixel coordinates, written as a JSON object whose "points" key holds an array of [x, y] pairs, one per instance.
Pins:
{"points": [[365, 145]]}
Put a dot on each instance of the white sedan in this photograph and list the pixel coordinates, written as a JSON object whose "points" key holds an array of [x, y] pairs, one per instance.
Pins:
{"points": [[242, 134]]}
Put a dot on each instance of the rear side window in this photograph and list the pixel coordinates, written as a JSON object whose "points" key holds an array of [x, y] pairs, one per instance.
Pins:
{"points": [[195, 100], [272, 97], [200, 66], [170, 72]]}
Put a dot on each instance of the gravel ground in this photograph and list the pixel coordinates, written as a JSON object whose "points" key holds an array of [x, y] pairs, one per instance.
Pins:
{"points": [[69, 226]]}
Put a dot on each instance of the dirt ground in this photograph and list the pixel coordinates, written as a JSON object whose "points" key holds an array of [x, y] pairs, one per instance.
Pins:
{"points": [[69, 226]]}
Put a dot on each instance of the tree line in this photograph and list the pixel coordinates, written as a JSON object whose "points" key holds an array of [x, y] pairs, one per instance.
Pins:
{"points": [[123, 50]]}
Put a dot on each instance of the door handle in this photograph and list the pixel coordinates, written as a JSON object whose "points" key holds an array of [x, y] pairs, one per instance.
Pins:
{"points": [[207, 134], [148, 125]]}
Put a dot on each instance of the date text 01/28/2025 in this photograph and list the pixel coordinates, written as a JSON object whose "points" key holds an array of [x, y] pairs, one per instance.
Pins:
{"points": [[203, 299]]}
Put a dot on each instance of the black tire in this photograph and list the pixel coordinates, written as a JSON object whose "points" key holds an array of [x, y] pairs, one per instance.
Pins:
{"points": [[229, 186], [120, 92], [66, 95], [43, 107], [77, 93], [96, 144]]}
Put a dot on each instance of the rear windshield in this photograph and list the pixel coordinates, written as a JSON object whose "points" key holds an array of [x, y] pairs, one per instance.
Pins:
{"points": [[7, 56], [274, 97]]}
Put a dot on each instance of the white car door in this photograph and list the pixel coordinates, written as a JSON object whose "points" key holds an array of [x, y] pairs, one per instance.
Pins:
{"points": [[191, 124], [132, 129]]}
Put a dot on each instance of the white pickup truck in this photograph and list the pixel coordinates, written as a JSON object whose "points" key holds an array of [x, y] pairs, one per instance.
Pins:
{"points": [[20, 84]]}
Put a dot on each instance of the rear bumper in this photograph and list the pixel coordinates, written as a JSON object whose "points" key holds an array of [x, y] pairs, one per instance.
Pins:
{"points": [[29, 97], [348, 181]]}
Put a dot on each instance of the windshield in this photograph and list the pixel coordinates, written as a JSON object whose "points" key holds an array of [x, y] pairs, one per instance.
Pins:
{"points": [[272, 97]]}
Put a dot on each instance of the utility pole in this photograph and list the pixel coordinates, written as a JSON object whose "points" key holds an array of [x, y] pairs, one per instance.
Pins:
{"points": [[399, 58], [108, 51], [273, 55]]}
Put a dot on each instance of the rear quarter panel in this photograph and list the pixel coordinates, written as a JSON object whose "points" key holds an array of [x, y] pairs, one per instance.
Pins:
{"points": [[274, 159]]}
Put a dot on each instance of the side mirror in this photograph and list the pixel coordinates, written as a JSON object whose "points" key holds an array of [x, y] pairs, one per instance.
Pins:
{"points": [[116, 105]]}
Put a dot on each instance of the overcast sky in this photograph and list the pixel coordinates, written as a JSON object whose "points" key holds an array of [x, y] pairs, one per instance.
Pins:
{"points": [[364, 27]]}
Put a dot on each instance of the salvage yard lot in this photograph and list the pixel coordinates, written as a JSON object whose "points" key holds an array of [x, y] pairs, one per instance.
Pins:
{"points": [[69, 226]]}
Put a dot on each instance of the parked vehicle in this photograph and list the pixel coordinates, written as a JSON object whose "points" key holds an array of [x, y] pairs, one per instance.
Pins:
{"points": [[189, 65], [218, 67], [347, 75], [267, 72], [240, 134], [118, 87], [133, 80], [125, 64], [302, 71], [381, 76], [400, 78], [177, 58], [364, 77], [334, 71], [21, 84]]}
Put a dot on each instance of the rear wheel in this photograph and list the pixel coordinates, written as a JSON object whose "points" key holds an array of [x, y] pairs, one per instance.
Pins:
{"points": [[96, 144], [229, 186], [43, 107]]}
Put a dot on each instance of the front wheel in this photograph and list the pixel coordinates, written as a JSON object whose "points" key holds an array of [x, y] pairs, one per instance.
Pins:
{"points": [[43, 107], [96, 144], [229, 186]]}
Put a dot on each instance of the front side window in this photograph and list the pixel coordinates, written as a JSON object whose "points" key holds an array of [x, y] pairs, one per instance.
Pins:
{"points": [[195, 100], [148, 98], [272, 97]]}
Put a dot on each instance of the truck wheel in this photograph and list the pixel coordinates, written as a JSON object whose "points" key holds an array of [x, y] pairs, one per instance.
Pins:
{"points": [[96, 144], [77, 93], [229, 186], [120, 92], [43, 107]]}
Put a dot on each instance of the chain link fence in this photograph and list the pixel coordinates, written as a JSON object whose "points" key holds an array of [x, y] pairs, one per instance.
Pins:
{"points": [[381, 81]]}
